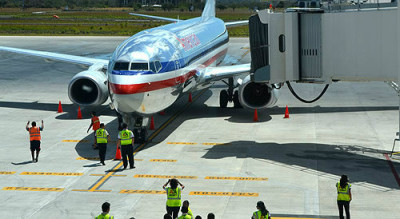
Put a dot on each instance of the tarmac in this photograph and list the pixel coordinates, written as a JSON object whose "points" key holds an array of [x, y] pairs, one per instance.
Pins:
{"points": [[226, 161]]}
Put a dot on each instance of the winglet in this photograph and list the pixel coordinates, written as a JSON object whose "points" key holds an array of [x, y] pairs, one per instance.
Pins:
{"points": [[209, 10]]}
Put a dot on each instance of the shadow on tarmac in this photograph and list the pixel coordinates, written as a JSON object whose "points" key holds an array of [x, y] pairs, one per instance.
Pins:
{"points": [[22, 163], [315, 159]]}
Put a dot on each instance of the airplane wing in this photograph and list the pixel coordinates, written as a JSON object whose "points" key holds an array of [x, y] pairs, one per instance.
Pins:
{"points": [[156, 17], [218, 73], [236, 23], [57, 56]]}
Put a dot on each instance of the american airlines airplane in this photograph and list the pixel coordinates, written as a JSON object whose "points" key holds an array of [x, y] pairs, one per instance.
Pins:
{"points": [[150, 70]]}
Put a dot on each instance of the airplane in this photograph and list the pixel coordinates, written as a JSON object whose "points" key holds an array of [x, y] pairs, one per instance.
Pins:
{"points": [[150, 70]]}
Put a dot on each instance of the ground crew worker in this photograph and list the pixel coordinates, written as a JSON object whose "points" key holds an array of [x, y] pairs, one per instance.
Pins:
{"points": [[343, 188], [186, 204], [125, 143], [185, 214], [262, 212], [34, 137], [102, 137], [106, 209], [173, 197], [95, 123]]}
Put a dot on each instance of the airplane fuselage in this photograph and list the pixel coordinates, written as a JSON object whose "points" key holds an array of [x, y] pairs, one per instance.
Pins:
{"points": [[148, 71]]}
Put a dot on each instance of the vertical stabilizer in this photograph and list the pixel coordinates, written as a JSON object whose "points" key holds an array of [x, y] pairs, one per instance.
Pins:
{"points": [[209, 10]]}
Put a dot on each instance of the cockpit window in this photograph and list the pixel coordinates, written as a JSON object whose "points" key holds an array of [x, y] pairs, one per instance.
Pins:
{"points": [[121, 66], [139, 66], [155, 66]]}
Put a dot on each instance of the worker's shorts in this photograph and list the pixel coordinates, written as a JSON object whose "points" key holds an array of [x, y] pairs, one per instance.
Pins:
{"points": [[35, 145]]}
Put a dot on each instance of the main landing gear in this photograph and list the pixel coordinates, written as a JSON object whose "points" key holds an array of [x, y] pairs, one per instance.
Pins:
{"points": [[226, 96]]}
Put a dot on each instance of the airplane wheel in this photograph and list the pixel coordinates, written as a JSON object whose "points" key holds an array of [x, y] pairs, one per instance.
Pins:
{"points": [[223, 98], [236, 102]]}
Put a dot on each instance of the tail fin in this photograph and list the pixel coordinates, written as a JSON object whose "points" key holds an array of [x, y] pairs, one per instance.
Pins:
{"points": [[209, 10]]}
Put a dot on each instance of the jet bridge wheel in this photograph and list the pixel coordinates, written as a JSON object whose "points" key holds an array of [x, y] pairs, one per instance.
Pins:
{"points": [[223, 98]]}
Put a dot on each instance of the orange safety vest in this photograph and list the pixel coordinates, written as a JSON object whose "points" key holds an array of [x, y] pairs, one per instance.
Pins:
{"points": [[34, 133], [96, 123]]}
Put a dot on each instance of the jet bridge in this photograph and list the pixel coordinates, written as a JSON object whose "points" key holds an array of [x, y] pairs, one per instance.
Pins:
{"points": [[357, 42]]}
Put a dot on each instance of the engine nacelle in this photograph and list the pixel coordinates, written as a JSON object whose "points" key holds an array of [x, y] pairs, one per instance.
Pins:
{"points": [[256, 95], [89, 88]]}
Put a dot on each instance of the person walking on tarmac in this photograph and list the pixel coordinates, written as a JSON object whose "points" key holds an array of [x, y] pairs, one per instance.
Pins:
{"points": [[173, 197], [106, 209], [125, 143], [262, 212], [343, 188], [95, 123], [34, 135], [102, 137]]}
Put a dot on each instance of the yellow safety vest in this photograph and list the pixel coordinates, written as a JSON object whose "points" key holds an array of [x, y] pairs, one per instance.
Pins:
{"points": [[343, 193], [173, 197], [126, 138], [101, 136], [258, 215], [102, 216], [185, 216]]}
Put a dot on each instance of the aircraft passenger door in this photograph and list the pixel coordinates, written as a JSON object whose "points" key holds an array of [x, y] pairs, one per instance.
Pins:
{"points": [[178, 71]]}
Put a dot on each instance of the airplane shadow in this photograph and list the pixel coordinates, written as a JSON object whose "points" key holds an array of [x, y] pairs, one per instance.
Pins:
{"points": [[322, 160]]}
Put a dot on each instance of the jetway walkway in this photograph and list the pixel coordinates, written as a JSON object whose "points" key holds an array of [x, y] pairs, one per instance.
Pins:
{"points": [[327, 44]]}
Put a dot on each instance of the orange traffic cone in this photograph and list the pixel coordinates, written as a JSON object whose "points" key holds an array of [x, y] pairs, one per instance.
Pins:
{"points": [[79, 113], [255, 117], [59, 107], [162, 113], [286, 113], [118, 154], [190, 97], [152, 123]]}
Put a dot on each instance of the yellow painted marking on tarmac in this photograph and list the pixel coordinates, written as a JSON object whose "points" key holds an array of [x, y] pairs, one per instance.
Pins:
{"points": [[237, 178], [6, 173], [186, 143], [247, 194], [51, 174], [162, 160], [83, 141], [164, 176], [85, 190], [215, 144], [101, 181], [34, 189], [96, 158], [105, 175], [125, 191], [396, 152]]}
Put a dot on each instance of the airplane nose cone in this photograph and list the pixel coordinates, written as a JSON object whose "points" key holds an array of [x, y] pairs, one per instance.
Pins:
{"points": [[128, 103]]}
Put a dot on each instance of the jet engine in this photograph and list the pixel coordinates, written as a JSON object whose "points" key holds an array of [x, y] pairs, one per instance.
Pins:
{"points": [[89, 88], [256, 95]]}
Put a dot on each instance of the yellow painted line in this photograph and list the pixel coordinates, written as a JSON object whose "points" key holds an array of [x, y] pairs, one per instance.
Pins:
{"points": [[165, 176], [187, 143], [83, 141], [6, 173], [34, 189], [247, 194], [162, 160], [396, 152], [125, 191], [51, 174], [101, 181], [237, 178], [85, 190], [215, 143], [97, 158], [105, 175]]}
